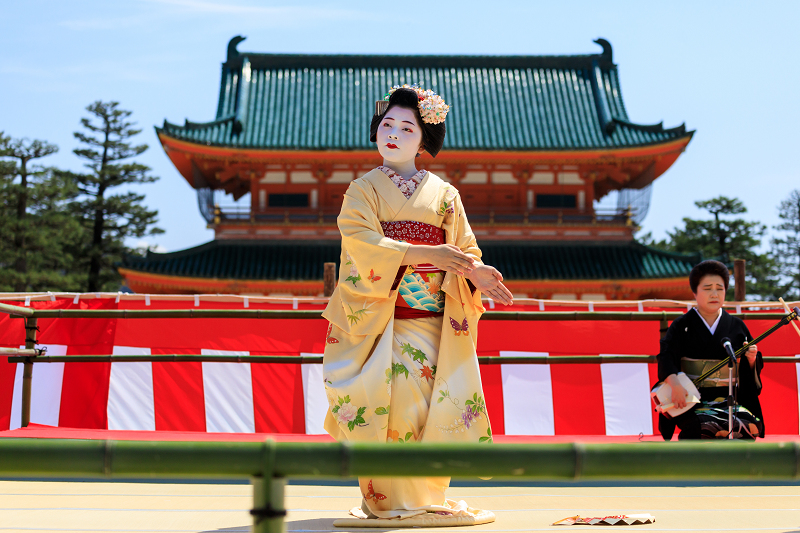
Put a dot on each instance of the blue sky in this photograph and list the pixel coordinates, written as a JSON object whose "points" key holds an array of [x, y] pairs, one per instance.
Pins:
{"points": [[727, 69]]}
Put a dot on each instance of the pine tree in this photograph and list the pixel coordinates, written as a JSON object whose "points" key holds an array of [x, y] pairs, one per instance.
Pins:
{"points": [[726, 239], [786, 248], [35, 227], [110, 218]]}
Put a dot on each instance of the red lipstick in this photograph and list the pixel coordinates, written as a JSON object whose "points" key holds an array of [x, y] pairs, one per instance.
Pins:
{"points": [[392, 146]]}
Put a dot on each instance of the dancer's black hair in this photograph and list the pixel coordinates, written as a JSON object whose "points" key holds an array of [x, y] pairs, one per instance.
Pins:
{"points": [[432, 134]]}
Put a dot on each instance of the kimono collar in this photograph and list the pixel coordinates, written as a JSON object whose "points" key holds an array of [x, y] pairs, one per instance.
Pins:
{"points": [[713, 327], [722, 324], [395, 199], [420, 202], [406, 186]]}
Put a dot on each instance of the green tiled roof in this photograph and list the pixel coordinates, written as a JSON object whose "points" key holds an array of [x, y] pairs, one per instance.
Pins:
{"points": [[255, 260], [325, 102]]}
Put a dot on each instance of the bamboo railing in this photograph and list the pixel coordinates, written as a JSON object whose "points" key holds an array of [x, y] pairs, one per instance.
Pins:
{"points": [[30, 354], [634, 316], [268, 464], [317, 359]]}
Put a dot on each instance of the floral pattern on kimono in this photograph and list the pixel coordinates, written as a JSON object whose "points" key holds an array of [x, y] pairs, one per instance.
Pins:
{"points": [[406, 186], [410, 380], [361, 314]]}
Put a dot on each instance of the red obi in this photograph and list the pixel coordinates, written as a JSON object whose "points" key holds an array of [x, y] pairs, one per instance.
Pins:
{"points": [[413, 233]]}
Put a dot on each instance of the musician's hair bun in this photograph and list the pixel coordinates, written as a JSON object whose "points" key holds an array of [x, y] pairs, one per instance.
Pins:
{"points": [[706, 268]]}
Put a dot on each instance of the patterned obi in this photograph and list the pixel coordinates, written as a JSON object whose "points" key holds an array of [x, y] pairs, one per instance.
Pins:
{"points": [[694, 368], [418, 286]]}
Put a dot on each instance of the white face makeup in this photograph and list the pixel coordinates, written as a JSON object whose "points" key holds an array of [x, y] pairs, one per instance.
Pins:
{"points": [[399, 136]]}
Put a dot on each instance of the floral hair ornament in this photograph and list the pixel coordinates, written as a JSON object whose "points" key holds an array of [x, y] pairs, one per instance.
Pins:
{"points": [[432, 108]]}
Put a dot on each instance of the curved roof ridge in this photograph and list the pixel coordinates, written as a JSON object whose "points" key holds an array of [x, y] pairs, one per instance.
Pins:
{"points": [[542, 103], [260, 60], [189, 125], [696, 257], [653, 128], [235, 259]]}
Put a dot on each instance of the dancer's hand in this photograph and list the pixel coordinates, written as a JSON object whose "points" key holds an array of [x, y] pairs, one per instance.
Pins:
{"points": [[487, 279], [447, 257], [679, 394]]}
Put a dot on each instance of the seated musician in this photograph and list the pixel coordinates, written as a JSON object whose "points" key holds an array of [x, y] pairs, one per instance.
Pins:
{"points": [[693, 345]]}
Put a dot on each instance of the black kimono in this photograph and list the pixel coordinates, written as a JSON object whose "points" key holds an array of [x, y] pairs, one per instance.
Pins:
{"points": [[689, 337]]}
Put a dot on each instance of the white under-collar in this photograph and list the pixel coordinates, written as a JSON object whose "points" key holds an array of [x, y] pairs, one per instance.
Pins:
{"points": [[713, 327]]}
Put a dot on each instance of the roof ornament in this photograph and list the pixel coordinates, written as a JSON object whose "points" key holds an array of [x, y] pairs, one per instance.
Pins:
{"points": [[607, 54], [233, 53]]}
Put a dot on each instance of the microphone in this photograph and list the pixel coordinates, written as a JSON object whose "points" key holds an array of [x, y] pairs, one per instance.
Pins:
{"points": [[726, 343]]}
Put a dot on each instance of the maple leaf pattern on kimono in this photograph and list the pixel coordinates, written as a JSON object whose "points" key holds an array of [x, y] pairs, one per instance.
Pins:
{"points": [[435, 286], [418, 356], [394, 436], [354, 276], [428, 372]]}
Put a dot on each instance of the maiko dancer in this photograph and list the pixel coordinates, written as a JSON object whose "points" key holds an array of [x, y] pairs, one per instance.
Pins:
{"points": [[400, 364]]}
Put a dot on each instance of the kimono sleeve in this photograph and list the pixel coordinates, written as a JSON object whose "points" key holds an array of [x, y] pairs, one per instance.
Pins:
{"points": [[370, 261], [751, 376], [461, 231], [669, 357]]}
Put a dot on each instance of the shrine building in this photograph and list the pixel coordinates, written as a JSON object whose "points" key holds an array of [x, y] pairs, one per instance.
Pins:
{"points": [[532, 142]]}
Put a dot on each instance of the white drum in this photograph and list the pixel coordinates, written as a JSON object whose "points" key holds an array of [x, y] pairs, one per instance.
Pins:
{"points": [[662, 396]]}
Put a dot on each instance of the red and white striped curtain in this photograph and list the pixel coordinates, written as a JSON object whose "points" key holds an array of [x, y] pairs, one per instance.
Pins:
{"points": [[579, 399]]}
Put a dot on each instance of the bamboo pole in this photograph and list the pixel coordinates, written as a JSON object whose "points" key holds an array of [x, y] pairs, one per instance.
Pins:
{"points": [[294, 315], [267, 464], [20, 352], [566, 461], [16, 310], [268, 495], [663, 327], [328, 278], [31, 329], [317, 359]]}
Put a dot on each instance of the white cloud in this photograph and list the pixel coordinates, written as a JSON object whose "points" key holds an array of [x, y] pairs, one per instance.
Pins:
{"points": [[284, 13], [112, 23], [143, 244]]}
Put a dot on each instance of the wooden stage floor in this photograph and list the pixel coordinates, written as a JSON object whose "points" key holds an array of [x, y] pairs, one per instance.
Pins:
{"points": [[77, 507]]}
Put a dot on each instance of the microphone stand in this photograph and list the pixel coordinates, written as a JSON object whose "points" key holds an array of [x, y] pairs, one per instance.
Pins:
{"points": [[726, 343]]}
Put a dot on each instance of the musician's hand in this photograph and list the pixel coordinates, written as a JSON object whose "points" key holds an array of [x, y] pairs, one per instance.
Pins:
{"points": [[751, 353], [679, 394], [487, 279]]}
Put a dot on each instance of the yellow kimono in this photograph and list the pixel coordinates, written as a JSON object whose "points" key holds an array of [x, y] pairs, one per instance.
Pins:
{"points": [[407, 380]]}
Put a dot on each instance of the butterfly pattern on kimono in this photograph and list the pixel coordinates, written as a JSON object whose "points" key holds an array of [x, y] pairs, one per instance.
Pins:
{"points": [[460, 328], [372, 495], [328, 338], [372, 277]]}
